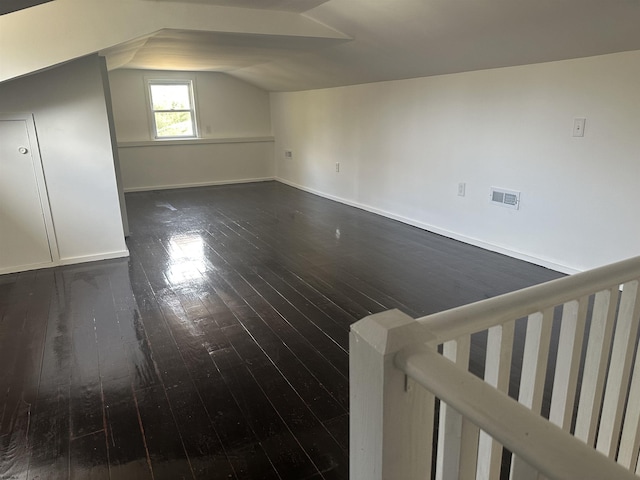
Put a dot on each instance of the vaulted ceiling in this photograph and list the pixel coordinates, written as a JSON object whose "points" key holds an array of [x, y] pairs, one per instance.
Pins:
{"points": [[306, 44]]}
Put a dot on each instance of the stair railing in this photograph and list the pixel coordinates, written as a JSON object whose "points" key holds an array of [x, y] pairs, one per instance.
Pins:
{"points": [[417, 414]]}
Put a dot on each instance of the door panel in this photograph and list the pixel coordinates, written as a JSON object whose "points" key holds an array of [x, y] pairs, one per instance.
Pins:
{"points": [[23, 233]]}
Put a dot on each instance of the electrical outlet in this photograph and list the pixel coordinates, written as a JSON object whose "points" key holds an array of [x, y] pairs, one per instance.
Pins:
{"points": [[578, 127], [461, 189], [288, 154], [337, 166]]}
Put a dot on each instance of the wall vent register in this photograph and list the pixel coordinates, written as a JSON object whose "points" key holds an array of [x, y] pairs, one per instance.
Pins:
{"points": [[505, 198]]}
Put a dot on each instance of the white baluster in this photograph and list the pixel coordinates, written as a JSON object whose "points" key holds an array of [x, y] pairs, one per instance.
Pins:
{"points": [[534, 369], [497, 370], [450, 426], [595, 364], [619, 370], [565, 381]]}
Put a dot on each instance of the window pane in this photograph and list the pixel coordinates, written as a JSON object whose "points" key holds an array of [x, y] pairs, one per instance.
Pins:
{"points": [[174, 124], [170, 97]]}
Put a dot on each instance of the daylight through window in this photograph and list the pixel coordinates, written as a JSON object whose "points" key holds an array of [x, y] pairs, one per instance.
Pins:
{"points": [[172, 108]]}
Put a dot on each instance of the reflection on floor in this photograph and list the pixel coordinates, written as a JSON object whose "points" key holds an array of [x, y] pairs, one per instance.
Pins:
{"points": [[219, 349]]}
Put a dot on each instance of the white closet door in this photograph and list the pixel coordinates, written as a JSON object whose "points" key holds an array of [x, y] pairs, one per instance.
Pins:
{"points": [[24, 240]]}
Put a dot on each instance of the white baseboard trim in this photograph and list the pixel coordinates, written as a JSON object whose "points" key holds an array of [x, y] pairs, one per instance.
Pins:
{"points": [[197, 184], [440, 231], [94, 258], [66, 261], [26, 268]]}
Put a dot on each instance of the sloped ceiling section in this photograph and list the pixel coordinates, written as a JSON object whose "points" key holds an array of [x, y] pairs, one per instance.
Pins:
{"points": [[210, 51], [286, 45], [394, 39], [59, 31], [8, 6]]}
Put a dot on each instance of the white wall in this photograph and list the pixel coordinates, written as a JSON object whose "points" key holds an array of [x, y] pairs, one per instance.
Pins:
{"points": [[234, 126], [70, 116], [403, 146]]}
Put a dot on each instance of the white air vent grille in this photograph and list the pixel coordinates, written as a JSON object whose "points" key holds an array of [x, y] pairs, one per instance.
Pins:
{"points": [[505, 198]]}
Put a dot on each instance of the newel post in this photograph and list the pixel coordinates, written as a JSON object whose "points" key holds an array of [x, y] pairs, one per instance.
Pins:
{"points": [[391, 417]]}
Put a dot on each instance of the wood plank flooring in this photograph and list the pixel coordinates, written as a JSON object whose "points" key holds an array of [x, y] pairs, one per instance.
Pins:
{"points": [[219, 348]]}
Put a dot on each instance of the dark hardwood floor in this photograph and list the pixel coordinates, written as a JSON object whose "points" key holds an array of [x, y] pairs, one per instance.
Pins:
{"points": [[219, 348]]}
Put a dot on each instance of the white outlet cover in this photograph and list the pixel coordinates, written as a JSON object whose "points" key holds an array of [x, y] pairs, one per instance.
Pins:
{"points": [[578, 127]]}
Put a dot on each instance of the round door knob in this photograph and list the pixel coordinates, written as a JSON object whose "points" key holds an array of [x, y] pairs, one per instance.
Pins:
{"points": [[23, 150]]}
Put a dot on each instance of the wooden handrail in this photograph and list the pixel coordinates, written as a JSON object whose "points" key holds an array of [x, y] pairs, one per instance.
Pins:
{"points": [[482, 315], [552, 451]]}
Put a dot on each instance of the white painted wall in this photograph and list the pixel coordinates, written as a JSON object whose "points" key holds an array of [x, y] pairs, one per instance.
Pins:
{"points": [[234, 126], [176, 166], [70, 115], [403, 146]]}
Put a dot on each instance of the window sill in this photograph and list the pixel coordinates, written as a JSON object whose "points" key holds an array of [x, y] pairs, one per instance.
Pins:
{"points": [[194, 141]]}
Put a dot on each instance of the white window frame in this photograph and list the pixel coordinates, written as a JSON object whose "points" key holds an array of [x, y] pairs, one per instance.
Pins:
{"points": [[152, 118]]}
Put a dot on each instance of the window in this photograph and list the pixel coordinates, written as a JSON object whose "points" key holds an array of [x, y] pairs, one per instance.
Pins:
{"points": [[172, 108]]}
